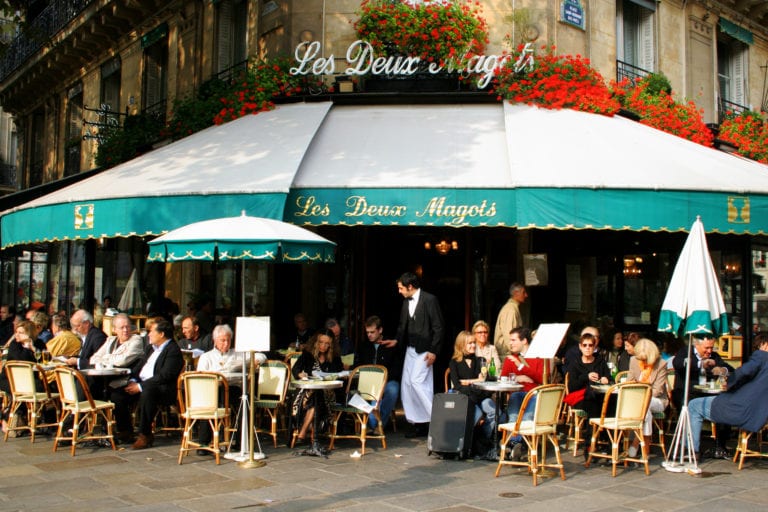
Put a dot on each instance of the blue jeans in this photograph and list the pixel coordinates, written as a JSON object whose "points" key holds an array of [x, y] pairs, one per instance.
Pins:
{"points": [[486, 408], [699, 409], [513, 408], [388, 401]]}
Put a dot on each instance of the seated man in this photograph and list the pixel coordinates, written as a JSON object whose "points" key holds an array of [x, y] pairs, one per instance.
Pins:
{"points": [[743, 404], [193, 336], [528, 372], [152, 385], [224, 359], [389, 357], [120, 351], [704, 358]]}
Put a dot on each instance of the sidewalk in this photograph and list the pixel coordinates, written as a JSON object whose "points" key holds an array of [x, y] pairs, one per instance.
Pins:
{"points": [[401, 478]]}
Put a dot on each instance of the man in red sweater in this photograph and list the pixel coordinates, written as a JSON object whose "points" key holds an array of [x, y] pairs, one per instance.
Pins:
{"points": [[528, 372]]}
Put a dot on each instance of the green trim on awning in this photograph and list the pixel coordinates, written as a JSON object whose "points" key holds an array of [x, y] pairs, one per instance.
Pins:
{"points": [[736, 31], [154, 35], [529, 208], [133, 216], [647, 4]]}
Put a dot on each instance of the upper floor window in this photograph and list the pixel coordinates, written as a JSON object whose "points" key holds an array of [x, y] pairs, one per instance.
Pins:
{"points": [[231, 33], [111, 77], [732, 68], [74, 134], [635, 47], [155, 83]]}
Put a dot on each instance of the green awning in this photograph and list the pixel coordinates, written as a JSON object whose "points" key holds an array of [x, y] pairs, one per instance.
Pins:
{"points": [[736, 31], [244, 165]]}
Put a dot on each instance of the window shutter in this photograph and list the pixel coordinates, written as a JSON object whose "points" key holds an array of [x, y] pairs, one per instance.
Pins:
{"points": [[224, 36], [646, 40], [739, 68]]}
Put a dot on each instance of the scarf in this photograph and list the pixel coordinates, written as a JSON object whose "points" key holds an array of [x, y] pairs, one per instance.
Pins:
{"points": [[645, 371]]}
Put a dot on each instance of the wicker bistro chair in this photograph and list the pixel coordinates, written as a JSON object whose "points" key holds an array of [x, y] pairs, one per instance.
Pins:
{"points": [[537, 431], [200, 399], [368, 381], [743, 450], [575, 419], [85, 414], [21, 378], [271, 393], [631, 406]]}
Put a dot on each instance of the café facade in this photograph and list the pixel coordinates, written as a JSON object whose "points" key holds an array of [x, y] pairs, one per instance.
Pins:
{"points": [[471, 193]]}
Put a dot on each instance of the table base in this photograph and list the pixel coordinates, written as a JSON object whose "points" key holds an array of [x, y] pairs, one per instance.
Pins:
{"points": [[315, 450]]}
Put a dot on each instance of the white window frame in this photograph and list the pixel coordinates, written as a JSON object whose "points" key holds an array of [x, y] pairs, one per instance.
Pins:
{"points": [[642, 52]]}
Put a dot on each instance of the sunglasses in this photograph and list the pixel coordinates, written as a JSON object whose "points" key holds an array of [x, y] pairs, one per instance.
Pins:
{"points": [[587, 345]]}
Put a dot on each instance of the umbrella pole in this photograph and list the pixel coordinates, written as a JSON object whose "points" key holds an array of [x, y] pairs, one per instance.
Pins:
{"points": [[242, 287], [682, 442], [254, 460]]}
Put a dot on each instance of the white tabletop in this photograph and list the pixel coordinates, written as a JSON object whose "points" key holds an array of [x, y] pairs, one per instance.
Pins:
{"points": [[106, 372], [318, 384], [498, 386]]}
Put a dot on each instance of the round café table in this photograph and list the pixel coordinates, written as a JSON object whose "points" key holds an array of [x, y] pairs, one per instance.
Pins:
{"points": [[104, 375], [316, 385], [497, 388]]}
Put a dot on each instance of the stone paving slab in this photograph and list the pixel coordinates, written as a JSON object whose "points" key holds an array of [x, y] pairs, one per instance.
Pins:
{"points": [[402, 478]]}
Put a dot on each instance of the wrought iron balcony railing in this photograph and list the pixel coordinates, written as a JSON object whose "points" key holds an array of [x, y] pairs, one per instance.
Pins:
{"points": [[726, 109], [49, 22], [629, 71]]}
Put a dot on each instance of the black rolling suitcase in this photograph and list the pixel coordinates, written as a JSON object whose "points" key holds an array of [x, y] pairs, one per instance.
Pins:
{"points": [[451, 425]]}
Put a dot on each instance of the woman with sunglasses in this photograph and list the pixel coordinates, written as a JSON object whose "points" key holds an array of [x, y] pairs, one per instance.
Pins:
{"points": [[583, 372], [481, 332]]}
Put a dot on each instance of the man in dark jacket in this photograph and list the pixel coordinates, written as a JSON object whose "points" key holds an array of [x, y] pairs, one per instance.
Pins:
{"points": [[389, 357], [93, 338], [703, 357], [420, 334], [743, 404], [153, 384]]}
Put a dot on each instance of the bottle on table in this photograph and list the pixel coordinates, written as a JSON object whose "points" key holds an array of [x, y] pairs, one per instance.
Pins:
{"points": [[492, 369]]}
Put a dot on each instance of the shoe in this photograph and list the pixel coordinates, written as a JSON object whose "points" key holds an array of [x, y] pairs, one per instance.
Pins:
{"points": [[419, 430], [204, 453], [143, 442], [721, 453], [125, 438]]}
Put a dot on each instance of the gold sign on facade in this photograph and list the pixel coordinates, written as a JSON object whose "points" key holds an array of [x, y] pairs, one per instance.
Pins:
{"points": [[738, 209], [84, 216]]}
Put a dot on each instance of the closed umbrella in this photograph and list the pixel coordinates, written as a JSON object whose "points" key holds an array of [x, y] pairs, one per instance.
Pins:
{"points": [[693, 305]]}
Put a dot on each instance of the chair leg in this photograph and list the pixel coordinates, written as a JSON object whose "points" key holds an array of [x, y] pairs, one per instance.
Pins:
{"points": [[215, 425], [503, 450]]}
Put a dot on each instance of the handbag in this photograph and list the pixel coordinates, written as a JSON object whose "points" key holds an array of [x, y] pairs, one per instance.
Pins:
{"points": [[575, 397]]}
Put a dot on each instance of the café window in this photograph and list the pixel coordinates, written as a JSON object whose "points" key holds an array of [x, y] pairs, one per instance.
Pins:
{"points": [[645, 280], [31, 279]]}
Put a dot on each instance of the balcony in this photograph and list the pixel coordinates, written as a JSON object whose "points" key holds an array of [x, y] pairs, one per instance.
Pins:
{"points": [[726, 109], [63, 38], [630, 72]]}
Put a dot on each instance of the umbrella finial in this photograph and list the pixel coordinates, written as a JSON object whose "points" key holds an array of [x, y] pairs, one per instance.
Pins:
{"points": [[242, 213]]}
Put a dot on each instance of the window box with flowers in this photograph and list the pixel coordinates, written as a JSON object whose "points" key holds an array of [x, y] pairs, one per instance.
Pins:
{"points": [[444, 33]]}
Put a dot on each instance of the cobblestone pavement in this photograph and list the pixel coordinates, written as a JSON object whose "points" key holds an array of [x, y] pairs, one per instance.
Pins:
{"points": [[402, 477]]}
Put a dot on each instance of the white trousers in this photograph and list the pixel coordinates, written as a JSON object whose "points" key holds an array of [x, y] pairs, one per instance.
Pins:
{"points": [[416, 388], [655, 406]]}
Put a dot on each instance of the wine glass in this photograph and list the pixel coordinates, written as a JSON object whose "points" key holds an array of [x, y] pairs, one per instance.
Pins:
{"points": [[38, 355]]}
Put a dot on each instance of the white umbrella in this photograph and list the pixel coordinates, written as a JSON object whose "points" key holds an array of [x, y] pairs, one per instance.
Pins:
{"points": [[693, 305], [242, 238]]}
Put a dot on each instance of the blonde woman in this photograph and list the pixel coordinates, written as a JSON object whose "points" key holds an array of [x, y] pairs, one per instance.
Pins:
{"points": [[319, 357], [481, 331], [465, 370], [647, 366]]}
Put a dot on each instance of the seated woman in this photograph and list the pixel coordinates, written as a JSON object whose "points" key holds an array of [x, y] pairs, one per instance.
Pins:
{"points": [[466, 369], [318, 357], [648, 366], [583, 372], [481, 331], [20, 348]]}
